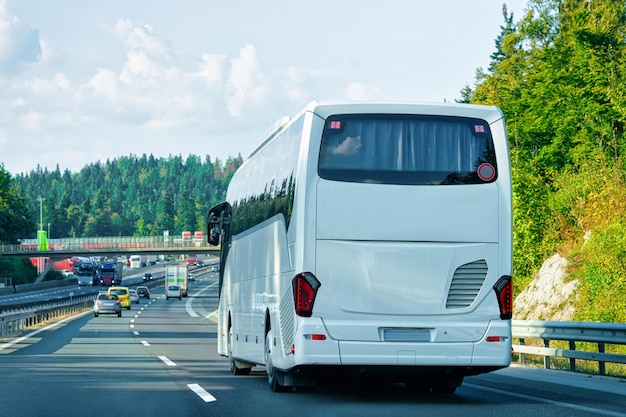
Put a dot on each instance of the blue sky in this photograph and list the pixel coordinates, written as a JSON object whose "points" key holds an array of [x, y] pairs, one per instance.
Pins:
{"points": [[85, 80]]}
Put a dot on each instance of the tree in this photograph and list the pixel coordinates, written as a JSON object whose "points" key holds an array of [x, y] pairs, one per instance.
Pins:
{"points": [[14, 214], [165, 214], [185, 215]]}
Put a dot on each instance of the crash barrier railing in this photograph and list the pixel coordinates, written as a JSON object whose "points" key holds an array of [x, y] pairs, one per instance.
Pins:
{"points": [[529, 334], [17, 319]]}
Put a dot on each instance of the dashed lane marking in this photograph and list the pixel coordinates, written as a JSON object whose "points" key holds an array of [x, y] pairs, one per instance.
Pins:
{"points": [[167, 361], [206, 397]]}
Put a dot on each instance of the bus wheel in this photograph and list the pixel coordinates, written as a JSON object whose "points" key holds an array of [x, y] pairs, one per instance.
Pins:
{"points": [[272, 378], [234, 369]]}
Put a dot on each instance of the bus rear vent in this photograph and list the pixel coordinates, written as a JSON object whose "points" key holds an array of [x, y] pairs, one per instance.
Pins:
{"points": [[466, 284]]}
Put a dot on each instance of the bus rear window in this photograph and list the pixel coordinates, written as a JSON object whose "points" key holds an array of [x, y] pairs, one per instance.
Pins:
{"points": [[407, 149]]}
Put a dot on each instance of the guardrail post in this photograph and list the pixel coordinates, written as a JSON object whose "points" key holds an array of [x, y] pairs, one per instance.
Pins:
{"points": [[572, 361], [601, 364], [522, 357], [546, 359]]}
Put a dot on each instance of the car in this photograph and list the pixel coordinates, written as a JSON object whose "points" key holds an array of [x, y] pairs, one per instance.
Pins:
{"points": [[124, 295], [134, 296], [173, 291], [191, 277], [107, 304], [192, 261], [143, 291], [67, 273], [215, 268], [147, 276]]}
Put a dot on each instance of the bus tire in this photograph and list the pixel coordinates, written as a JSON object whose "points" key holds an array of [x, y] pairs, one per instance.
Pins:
{"points": [[272, 373]]}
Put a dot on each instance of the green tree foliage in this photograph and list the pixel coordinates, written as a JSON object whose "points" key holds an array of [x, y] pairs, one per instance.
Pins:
{"points": [[558, 74], [15, 221], [129, 196], [21, 271]]}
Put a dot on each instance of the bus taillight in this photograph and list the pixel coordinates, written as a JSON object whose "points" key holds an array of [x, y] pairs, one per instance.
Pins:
{"points": [[305, 287], [504, 292]]}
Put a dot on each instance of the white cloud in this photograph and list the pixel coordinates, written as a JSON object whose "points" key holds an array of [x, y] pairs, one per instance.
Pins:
{"points": [[104, 83], [139, 37], [19, 43], [212, 68], [49, 53], [246, 83], [40, 86], [139, 67]]}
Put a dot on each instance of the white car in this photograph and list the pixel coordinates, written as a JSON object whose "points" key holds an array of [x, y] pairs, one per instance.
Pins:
{"points": [[173, 291], [134, 296]]}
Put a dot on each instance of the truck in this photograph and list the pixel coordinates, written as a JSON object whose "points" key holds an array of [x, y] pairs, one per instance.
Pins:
{"points": [[86, 273], [176, 274], [148, 260], [111, 273]]}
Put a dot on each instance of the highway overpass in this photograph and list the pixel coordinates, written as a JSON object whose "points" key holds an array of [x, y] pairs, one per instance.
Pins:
{"points": [[59, 249]]}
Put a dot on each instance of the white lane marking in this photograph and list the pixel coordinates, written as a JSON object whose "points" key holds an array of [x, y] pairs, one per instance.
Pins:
{"points": [[136, 333], [545, 400], [132, 320], [145, 343], [212, 314], [188, 306], [132, 326], [167, 361], [201, 393]]}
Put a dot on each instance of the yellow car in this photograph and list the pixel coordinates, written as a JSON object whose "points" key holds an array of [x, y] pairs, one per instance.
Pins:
{"points": [[123, 293]]}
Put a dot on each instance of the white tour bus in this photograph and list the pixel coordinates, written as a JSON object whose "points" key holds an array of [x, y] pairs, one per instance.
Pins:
{"points": [[370, 239], [135, 261]]}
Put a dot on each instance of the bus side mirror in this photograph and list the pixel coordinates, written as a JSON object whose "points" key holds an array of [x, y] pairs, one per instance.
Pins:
{"points": [[218, 218], [214, 234]]}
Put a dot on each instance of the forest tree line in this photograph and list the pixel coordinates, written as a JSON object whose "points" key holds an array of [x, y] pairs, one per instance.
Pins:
{"points": [[126, 196]]}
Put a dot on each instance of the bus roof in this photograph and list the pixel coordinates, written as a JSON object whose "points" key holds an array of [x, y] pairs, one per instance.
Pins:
{"points": [[488, 113]]}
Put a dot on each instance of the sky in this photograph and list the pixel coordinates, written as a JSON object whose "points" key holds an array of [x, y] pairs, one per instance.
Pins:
{"points": [[83, 81]]}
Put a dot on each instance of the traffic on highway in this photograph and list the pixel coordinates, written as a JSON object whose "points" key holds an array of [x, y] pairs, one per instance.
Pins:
{"points": [[160, 358]]}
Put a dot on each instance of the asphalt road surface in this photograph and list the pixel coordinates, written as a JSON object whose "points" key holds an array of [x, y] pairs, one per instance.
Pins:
{"points": [[159, 359]]}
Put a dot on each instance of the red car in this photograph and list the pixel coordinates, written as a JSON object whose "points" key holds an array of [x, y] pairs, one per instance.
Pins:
{"points": [[192, 261]]}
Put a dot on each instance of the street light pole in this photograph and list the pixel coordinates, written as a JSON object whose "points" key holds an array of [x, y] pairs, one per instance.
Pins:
{"points": [[41, 199]]}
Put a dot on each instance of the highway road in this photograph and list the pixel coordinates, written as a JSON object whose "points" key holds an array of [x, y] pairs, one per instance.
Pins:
{"points": [[159, 359]]}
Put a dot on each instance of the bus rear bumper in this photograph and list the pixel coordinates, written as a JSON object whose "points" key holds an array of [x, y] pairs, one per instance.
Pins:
{"points": [[491, 352]]}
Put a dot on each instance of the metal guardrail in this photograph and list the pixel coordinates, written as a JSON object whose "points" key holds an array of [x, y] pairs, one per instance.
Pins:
{"points": [[545, 332], [15, 321]]}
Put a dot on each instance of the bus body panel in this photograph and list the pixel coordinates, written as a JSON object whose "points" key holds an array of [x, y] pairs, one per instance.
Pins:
{"points": [[412, 279], [347, 211]]}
